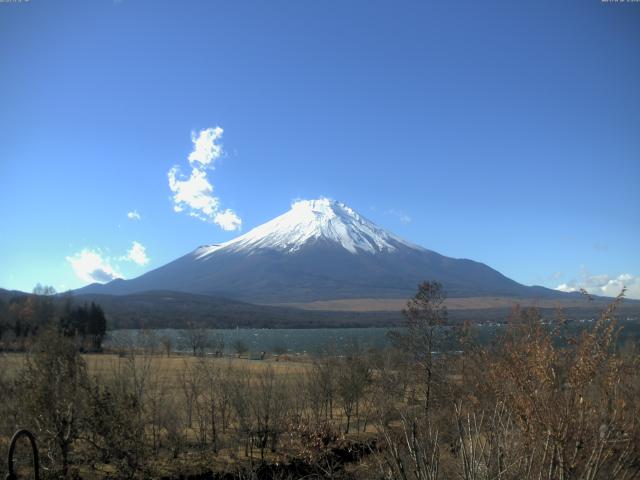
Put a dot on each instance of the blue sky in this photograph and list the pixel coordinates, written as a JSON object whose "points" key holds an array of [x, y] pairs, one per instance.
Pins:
{"points": [[506, 132]]}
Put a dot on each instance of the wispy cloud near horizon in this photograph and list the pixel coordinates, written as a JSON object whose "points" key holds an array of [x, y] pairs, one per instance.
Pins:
{"points": [[194, 194], [402, 216], [90, 266], [604, 284]]}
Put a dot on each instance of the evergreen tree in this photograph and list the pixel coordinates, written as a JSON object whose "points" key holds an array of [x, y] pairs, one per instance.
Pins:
{"points": [[97, 325]]}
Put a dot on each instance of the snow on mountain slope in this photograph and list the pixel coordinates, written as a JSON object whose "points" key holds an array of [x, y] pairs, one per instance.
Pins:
{"points": [[318, 250], [312, 220]]}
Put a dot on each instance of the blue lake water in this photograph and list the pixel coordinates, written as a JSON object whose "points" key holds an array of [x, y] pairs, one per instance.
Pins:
{"points": [[292, 340], [314, 340]]}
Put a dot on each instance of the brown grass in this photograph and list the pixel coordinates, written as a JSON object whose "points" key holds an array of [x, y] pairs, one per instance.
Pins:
{"points": [[468, 303], [98, 363]]}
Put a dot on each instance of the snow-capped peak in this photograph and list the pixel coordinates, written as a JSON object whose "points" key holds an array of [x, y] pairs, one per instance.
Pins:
{"points": [[310, 220]]}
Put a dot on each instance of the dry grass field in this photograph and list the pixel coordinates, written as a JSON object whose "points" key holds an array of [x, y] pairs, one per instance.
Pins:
{"points": [[546, 410], [179, 393], [100, 363], [467, 303]]}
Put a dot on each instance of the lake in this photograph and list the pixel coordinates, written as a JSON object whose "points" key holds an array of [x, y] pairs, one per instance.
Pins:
{"points": [[313, 340], [259, 339]]}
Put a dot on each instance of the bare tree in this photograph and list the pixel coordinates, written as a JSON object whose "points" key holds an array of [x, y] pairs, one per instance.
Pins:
{"points": [[240, 347], [425, 315], [353, 376], [217, 344], [189, 387], [197, 338], [117, 418], [51, 384], [167, 344]]}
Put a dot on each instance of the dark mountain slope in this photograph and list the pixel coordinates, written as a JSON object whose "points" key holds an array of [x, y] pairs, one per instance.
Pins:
{"points": [[320, 250]]}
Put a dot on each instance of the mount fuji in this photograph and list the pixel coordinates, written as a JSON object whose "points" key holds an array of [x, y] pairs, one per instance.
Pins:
{"points": [[319, 250]]}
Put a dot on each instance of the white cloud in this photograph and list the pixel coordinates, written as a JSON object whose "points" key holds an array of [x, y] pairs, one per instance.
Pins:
{"points": [[205, 149], [605, 285], [228, 220], [90, 267], [194, 194], [137, 254], [567, 287], [402, 216], [133, 215]]}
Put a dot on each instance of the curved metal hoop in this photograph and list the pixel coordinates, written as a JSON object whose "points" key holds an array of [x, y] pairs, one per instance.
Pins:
{"points": [[12, 447]]}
